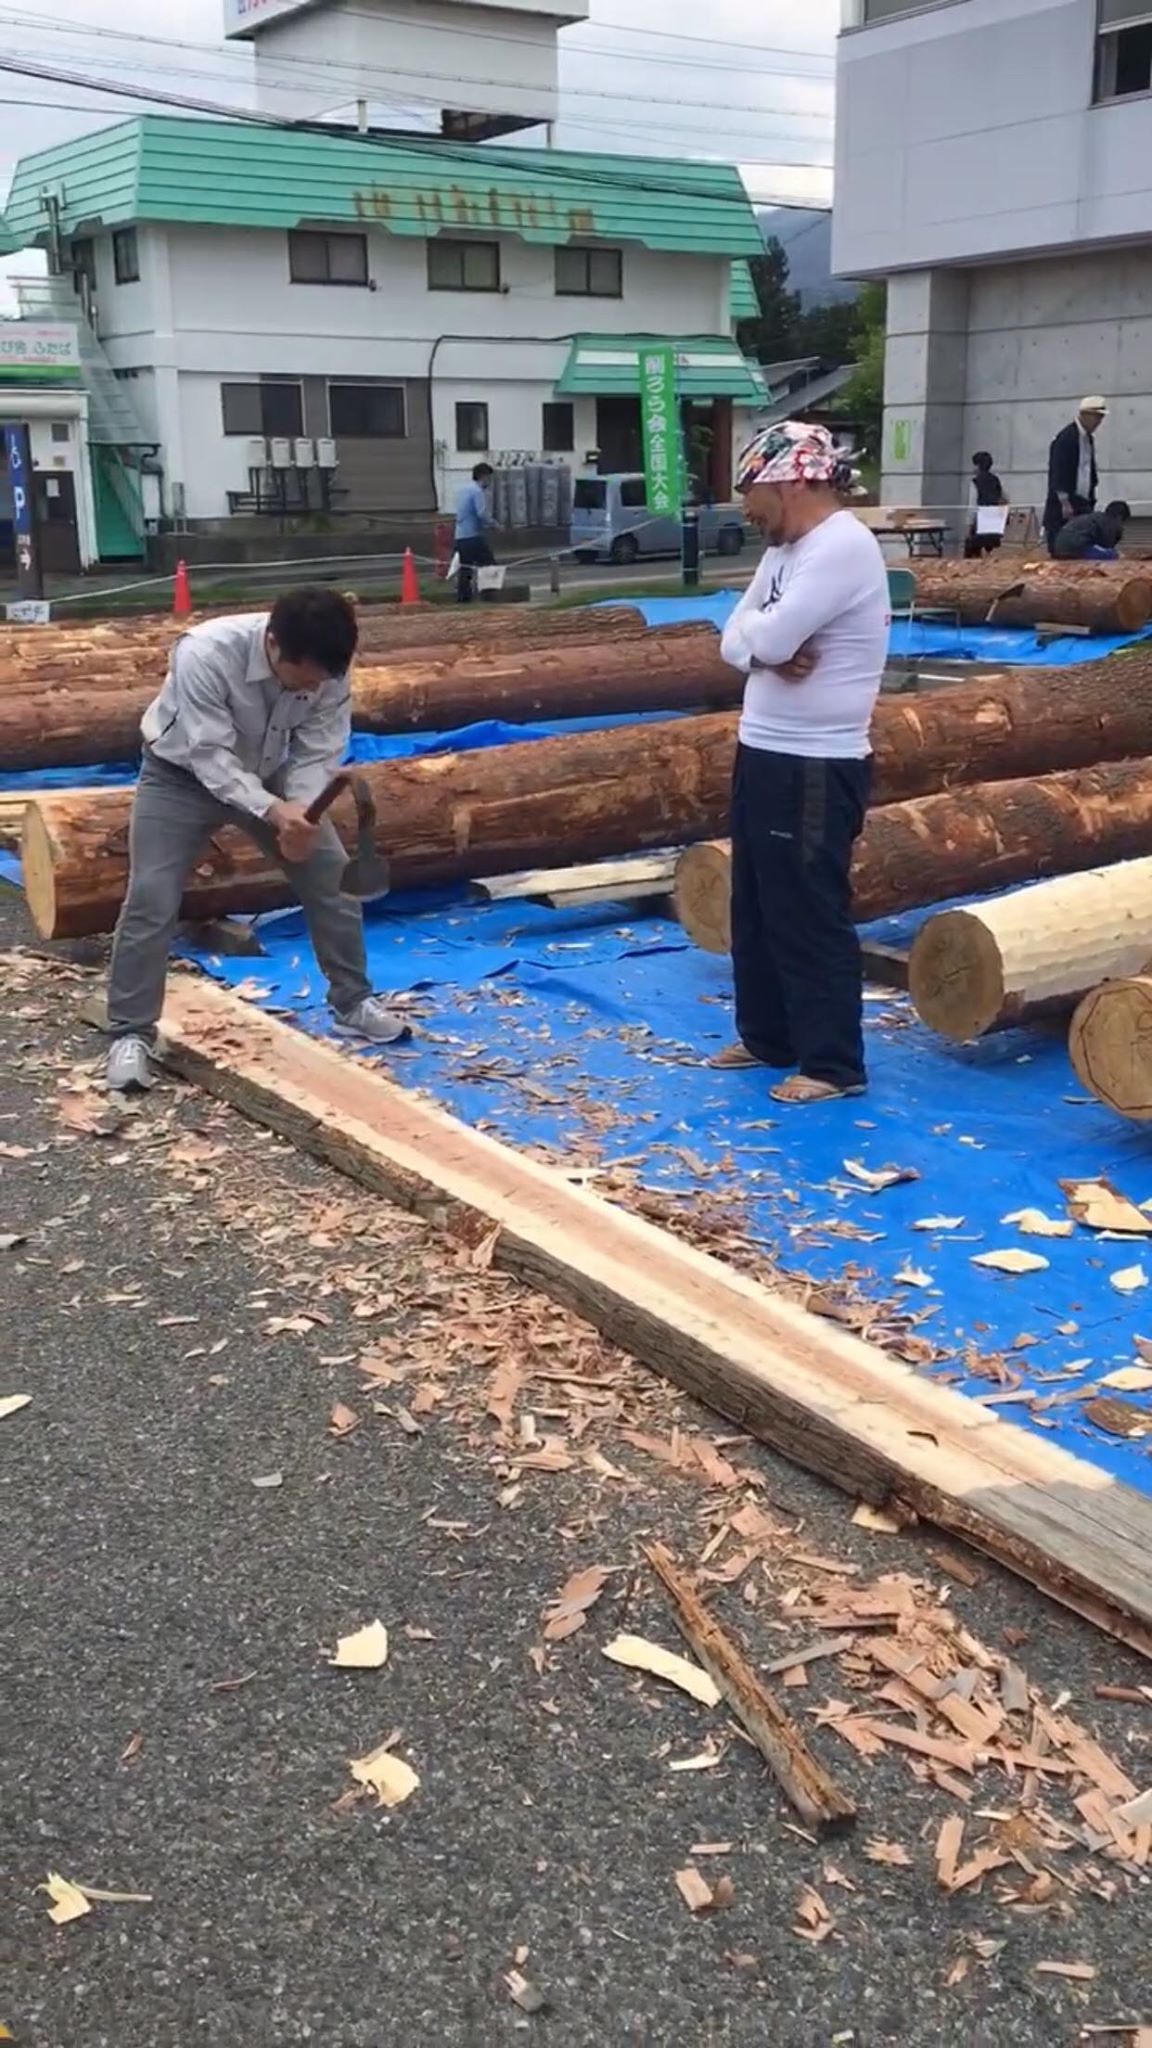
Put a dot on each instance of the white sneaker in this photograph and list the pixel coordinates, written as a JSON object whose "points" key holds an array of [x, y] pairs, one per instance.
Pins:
{"points": [[372, 1019], [130, 1064]]}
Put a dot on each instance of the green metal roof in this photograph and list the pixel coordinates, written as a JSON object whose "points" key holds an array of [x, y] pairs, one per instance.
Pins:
{"points": [[707, 366], [743, 303], [248, 174]]}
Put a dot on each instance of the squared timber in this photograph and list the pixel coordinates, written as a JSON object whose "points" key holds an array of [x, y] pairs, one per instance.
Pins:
{"points": [[833, 1404]]}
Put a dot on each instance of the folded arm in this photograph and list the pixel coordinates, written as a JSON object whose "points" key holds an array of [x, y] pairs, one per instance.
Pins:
{"points": [[811, 601]]}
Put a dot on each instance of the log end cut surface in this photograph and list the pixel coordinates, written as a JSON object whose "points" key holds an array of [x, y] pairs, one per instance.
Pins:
{"points": [[1111, 1046], [956, 976], [39, 869], [702, 895]]}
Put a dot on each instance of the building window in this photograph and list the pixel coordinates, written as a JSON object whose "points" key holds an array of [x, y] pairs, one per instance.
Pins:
{"points": [[125, 256], [589, 273], [327, 259], [463, 266], [559, 435], [60, 431], [275, 410], [883, 10], [1124, 49], [472, 427], [367, 412]]}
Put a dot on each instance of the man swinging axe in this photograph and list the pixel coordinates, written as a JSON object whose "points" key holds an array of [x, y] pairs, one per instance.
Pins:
{"points": [[249, 729]]}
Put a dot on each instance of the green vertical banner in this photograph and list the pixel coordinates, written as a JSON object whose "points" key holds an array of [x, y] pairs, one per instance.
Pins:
{"points": [[660, 417]]}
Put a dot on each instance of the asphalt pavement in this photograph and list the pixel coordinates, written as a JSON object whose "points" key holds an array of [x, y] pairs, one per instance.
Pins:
{"points": [[187, 1304]]}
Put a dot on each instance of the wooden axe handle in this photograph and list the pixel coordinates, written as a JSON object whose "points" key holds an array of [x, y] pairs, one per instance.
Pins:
{"points": [[327, 797]]}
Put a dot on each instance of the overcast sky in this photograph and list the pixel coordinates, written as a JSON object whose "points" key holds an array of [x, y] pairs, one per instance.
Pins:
{"points": [[641, 76]]}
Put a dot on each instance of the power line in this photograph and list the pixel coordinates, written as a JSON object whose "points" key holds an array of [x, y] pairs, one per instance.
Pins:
{"points": [[461, 91], [435, 146], [458, 34]]}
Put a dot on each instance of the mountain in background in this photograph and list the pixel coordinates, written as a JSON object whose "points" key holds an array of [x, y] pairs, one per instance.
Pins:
{"points": [[806, 238]]}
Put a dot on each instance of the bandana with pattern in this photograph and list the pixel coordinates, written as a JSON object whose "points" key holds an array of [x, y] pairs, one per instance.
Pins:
{"points": [[789, 453]]}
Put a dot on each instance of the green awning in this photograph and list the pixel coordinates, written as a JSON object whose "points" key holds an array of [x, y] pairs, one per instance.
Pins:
{"points": [[707, 365]]}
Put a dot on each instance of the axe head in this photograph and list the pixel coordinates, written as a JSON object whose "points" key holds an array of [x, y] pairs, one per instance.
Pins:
{"points": [[367, 873]]}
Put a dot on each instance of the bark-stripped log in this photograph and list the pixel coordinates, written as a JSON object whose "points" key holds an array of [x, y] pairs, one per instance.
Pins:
{"points": [[1032, 954], [1000, 726], [1008, 592], [442, 818], [679, 669], [124, 662], [962, 843], [1110, 1043]]}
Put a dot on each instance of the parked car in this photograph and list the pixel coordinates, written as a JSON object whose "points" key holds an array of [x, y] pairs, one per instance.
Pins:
{"points": [[611, 523]]}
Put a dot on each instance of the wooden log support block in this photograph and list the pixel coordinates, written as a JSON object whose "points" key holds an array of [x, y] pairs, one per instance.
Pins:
{"points": [[1032, 954], [1110, 1045]]}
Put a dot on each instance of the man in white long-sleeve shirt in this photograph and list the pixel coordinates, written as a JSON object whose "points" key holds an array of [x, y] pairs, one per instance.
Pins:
{"points": [[811, 634], [252, 723]]}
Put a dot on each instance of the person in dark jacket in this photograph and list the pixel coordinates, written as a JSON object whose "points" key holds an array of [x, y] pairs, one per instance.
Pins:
{"points": [[988, 490], [1073, 475], [1093, 536]]}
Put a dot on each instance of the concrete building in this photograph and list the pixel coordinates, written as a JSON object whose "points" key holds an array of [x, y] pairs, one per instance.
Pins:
{"points": [[42, 388], [338, 327], [994, 164]]}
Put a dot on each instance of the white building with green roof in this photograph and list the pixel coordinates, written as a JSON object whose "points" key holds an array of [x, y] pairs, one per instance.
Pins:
{"points": [[285, 319]]}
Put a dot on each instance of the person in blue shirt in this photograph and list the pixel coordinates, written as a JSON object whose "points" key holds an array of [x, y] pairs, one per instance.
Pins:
{"points": [[473, 520]]}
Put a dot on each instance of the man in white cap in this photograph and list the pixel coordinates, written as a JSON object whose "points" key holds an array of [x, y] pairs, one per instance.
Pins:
{"points": [[811, 634], [1073, 476]]}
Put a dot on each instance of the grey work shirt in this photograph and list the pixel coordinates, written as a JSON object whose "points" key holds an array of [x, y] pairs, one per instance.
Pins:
{"points": [[224, 718]]}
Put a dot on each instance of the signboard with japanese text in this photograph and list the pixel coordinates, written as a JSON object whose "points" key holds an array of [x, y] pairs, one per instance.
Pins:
{"points": [[39, 352], [660, 419], [19, 461], [241, 17]]}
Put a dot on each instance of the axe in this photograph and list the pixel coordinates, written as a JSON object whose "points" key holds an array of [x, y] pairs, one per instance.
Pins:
{"points": [[367, 873]]}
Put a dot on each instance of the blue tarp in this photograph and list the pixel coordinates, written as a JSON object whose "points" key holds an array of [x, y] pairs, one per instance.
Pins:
{"points": [[922, 640], [584, 1032], [364, 746]]}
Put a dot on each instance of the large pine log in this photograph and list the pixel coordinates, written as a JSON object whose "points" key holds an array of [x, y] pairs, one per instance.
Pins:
{"points": [[1032, 954], [1000, 726], [679, 669], [963, 843], [117, 661], [443, 818], [1003, 591], [1110, 1043]]}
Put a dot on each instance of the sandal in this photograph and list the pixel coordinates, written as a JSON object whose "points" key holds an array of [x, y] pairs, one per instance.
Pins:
{"points": [[799, 1090]]}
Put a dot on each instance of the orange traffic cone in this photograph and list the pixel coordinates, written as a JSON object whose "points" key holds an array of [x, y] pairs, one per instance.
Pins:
{"points": [[181, 593], [409, 581]]}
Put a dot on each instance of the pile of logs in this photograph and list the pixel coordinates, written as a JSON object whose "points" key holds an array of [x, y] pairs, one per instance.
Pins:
{"points": [[1007, 590], [429, 690], [1081, 944], [977, 786], [943, 747]]}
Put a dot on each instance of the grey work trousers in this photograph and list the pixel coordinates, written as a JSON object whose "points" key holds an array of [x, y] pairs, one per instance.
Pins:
{"points": [[172, 817]]}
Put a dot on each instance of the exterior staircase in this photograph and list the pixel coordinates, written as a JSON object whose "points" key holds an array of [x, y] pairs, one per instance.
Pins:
{"points": [[117, 439]]}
